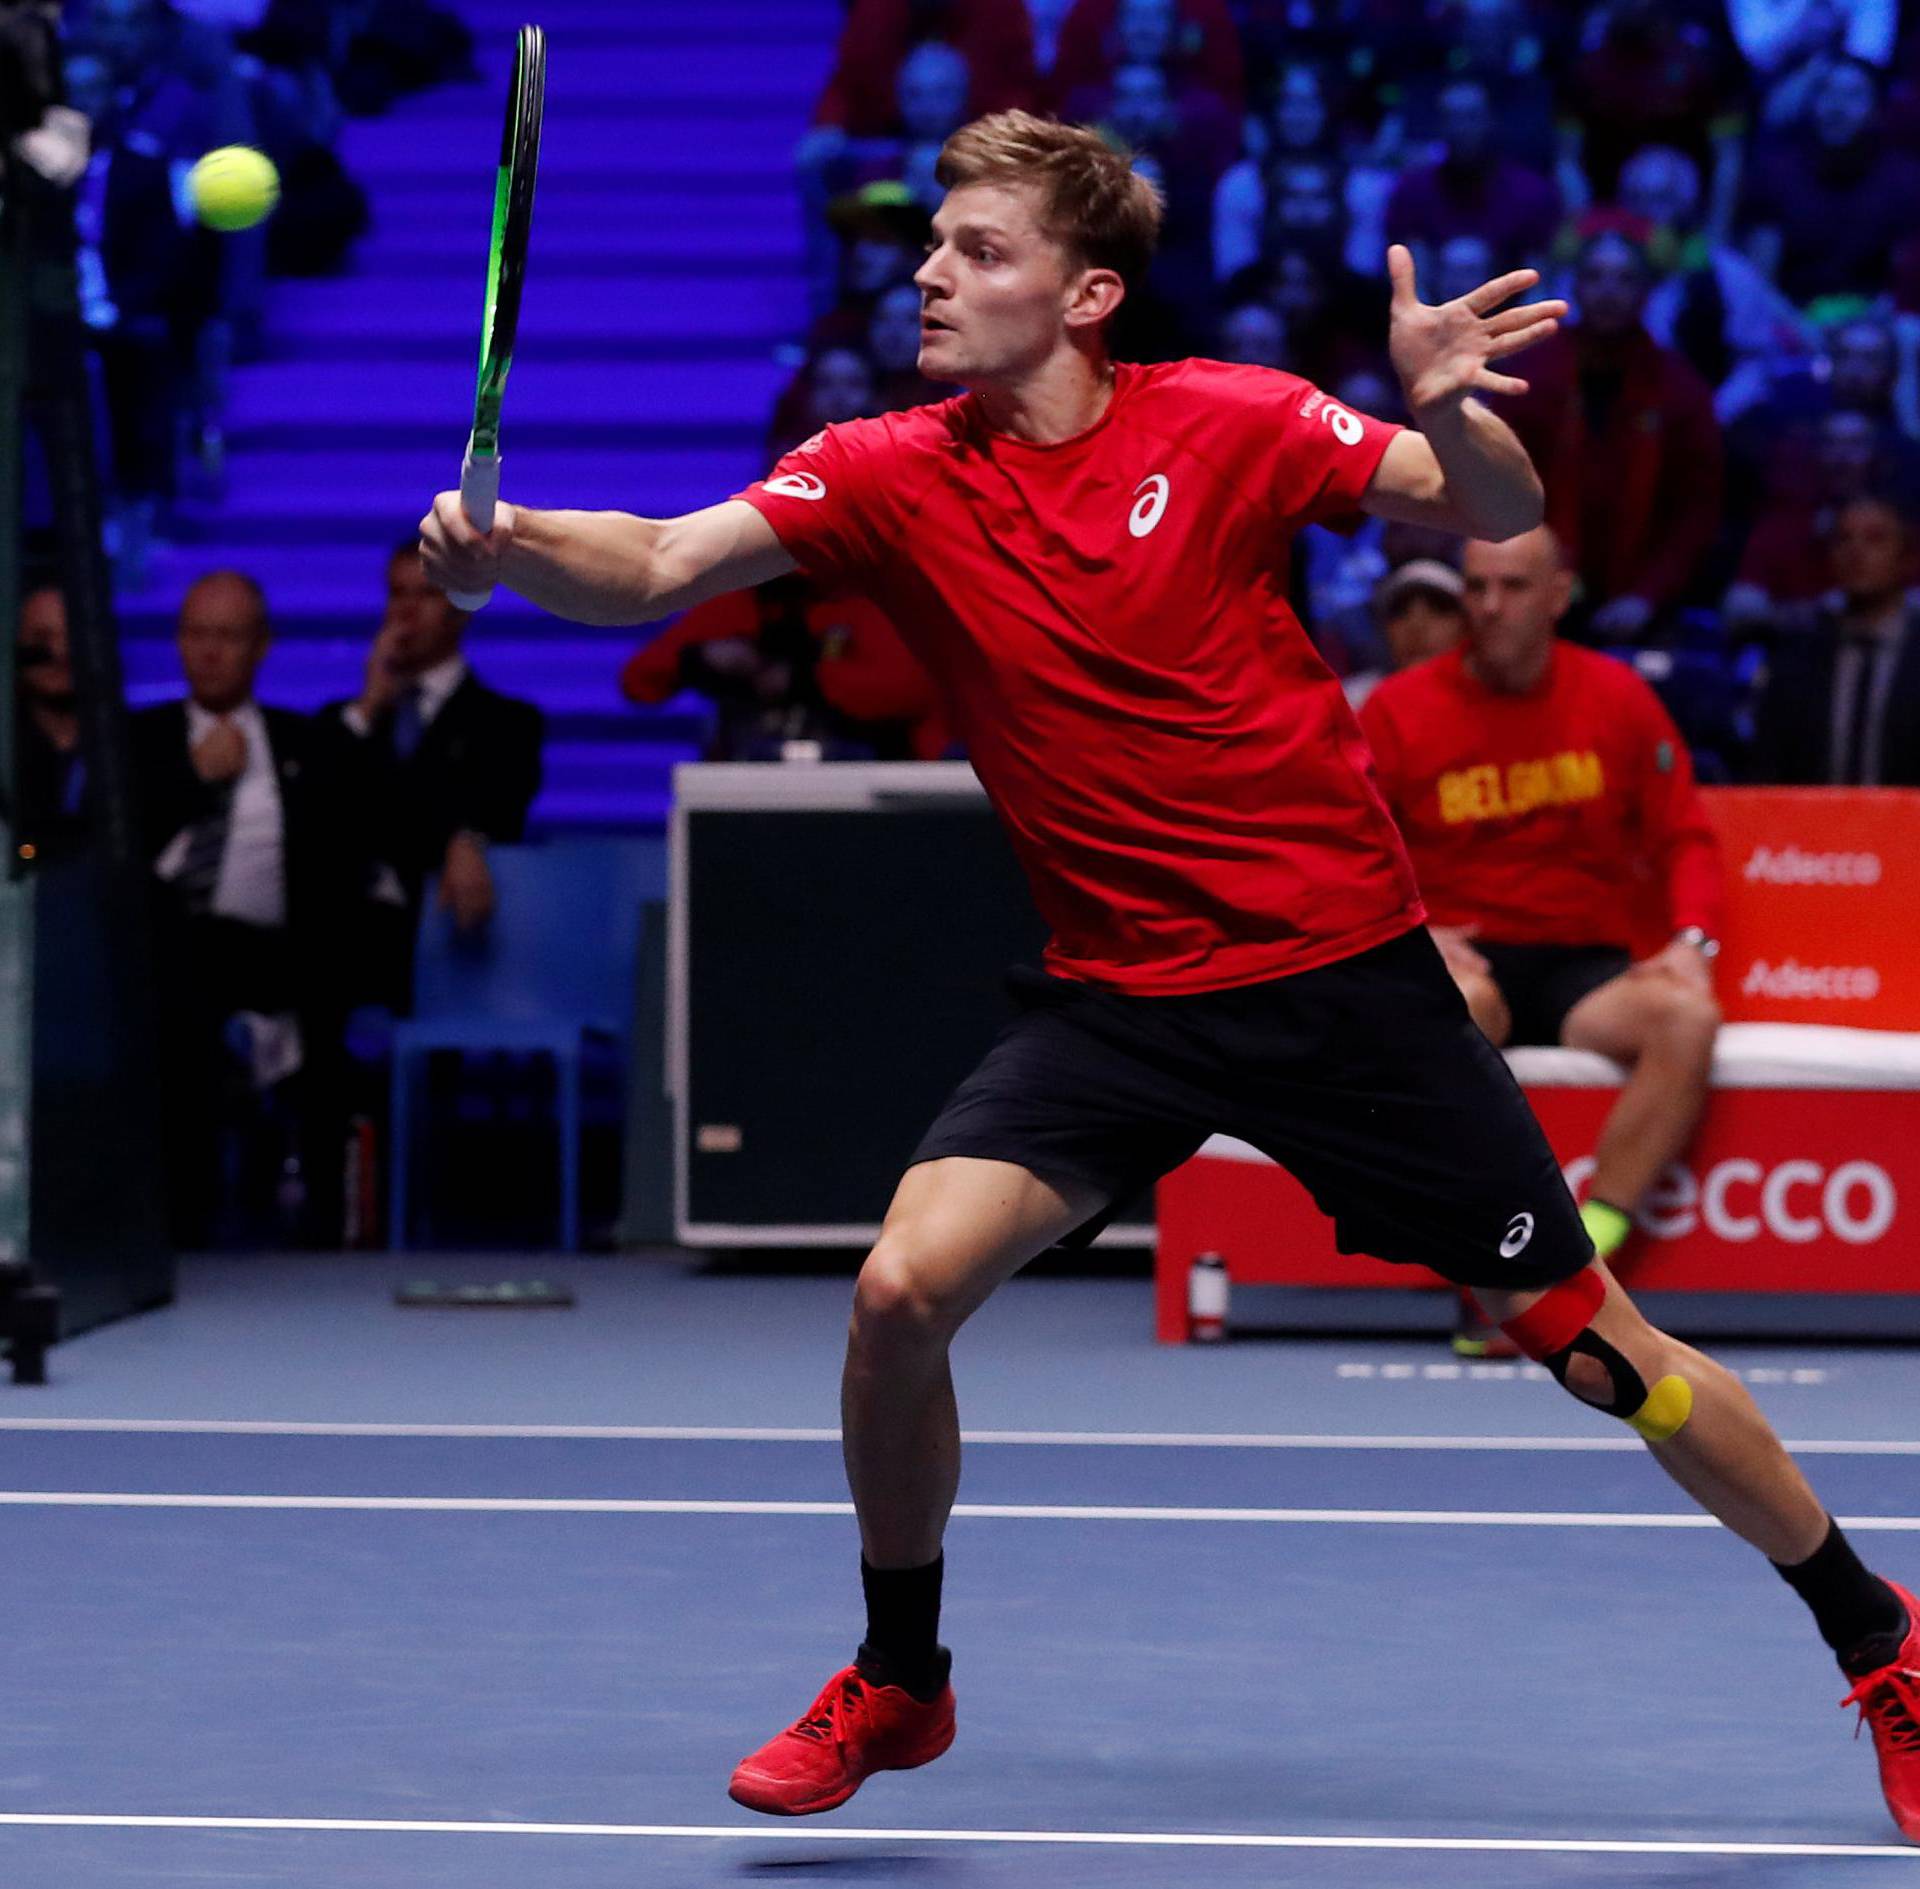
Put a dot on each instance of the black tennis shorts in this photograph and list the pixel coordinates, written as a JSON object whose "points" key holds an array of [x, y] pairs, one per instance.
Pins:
{"points": [[1541, 983], [1365, 1078]]}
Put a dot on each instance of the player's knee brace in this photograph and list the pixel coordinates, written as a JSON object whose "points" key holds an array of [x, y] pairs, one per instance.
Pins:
{"points": [[1557, 1330]]}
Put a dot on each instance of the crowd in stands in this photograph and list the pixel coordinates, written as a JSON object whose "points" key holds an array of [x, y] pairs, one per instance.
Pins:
{"points": [[1728, 426], [150, 87], [292, 860]]}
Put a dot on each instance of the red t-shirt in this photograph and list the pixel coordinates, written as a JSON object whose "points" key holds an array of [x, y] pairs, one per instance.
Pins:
{"points": [[1536, 818], [1107, 617]]}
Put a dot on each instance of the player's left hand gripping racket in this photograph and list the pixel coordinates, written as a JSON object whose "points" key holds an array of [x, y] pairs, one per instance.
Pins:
{"points": [[506, 270]]}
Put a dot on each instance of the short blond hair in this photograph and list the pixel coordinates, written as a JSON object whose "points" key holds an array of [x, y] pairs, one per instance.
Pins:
{"points": [[1092, 200]]}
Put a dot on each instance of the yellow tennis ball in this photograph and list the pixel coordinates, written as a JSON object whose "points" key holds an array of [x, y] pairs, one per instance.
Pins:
{"points": [[234, 187]]}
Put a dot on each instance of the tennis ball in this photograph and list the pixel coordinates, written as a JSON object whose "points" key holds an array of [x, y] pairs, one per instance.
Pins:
{"points": [[234, 187]]}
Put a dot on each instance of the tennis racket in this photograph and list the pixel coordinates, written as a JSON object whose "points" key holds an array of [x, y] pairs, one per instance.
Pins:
{"points": [[506, 270]]}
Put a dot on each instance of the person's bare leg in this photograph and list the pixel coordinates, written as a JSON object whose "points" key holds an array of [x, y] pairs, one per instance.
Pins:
{"points": [[957, 1229], [1663, 1030], [1484, 1002], [1726, 1455]]}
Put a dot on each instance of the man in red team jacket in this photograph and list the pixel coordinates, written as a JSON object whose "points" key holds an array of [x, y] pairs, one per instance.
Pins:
{"points": [[1091, 560], [1534, 783]]}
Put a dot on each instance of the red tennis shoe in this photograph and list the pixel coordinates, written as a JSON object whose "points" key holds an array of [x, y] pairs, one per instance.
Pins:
{"points": [[1889, 1701], [852, 1730]]}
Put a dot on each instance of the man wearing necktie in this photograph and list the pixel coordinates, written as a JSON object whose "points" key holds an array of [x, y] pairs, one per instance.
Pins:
{"points": [[255, 828], [1840, 703], [454, 766]]}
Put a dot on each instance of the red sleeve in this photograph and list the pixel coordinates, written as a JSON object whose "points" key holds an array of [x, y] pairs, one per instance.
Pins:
{"points": [[826, 501], [1306, 458], [1680, 840], [652, 673]]}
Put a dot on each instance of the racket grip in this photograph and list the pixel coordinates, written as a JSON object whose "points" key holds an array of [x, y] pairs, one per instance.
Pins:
{"points": [[479, 494]]}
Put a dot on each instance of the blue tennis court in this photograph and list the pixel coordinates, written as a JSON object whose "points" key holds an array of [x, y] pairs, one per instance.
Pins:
{"points": [[1316, 1612]]}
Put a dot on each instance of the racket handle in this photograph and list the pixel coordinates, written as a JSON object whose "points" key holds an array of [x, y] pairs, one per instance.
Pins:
{"points": [[479, 494]]}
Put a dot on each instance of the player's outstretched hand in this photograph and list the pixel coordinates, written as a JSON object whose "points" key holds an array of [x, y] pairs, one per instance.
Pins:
{"points": [[457, 557], [1443, 353]]}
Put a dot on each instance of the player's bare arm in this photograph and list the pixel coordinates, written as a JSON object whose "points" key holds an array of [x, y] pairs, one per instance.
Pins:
{"points": [[603, 567], [1464, 469]]}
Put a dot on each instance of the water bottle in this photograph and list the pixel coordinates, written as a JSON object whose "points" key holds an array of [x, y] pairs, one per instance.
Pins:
{"points": [[1207, 1299]]}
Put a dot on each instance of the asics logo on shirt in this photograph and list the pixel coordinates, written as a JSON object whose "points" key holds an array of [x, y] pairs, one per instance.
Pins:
{"points": [[797, 485], [1519, 1232], [1150, 501], [1347, 428]]}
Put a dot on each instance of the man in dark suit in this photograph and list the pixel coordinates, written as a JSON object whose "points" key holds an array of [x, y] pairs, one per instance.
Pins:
{"points": [[453, 766], [1840, 703], [252, 819]]}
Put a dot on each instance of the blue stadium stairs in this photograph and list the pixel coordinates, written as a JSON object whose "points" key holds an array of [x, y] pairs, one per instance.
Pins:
{"points": [[664, 279]]}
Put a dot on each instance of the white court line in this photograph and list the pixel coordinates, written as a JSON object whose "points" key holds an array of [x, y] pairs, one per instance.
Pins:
{"points": [[1063, 1439], [1144, 1839], [979, 1511]]}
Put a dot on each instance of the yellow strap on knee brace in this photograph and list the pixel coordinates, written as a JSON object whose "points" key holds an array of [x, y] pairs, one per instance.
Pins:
{"points": [[1669, 1404]]}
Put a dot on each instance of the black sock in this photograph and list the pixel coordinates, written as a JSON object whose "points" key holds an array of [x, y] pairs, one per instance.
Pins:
{"points": [[902, 1647], [1858, 1614]]}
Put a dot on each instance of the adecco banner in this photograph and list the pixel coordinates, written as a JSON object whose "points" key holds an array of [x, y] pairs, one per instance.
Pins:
{"points": [[1823, 905], [1783, 1190]]}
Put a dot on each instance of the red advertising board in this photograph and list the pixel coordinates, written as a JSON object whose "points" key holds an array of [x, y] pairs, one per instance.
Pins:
{"points": [[1823, 905], [1784, 1190]]}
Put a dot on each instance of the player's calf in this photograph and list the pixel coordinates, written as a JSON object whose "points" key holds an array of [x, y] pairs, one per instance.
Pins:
{"points": [[1646, 1383]]}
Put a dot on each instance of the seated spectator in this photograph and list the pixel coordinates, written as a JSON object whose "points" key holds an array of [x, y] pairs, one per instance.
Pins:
{"points": [[1863, 371], [876, 240], [151, 281], [1790, 44], [790, 669], [1296, 130], [1787, 558], [1712, 305], [995, 38], [49, 813], [1325, 310], [452, 764], [1196, 43], [1775, 459], [1535, 782], [1776, 36], [1460, 265], [1253, 335], [1184, 143], [1417, 607], [931, 105], [251, 822], [1511, 47], [1839, 702], [890, 169], [1829, 200], [893, 353], [1624, 435], [1650, 76], [1473, 189], [836, 384], [1338, 573]]}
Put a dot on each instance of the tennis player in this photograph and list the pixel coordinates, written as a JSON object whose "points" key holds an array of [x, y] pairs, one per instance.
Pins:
{"points": [[1091, 559]]}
